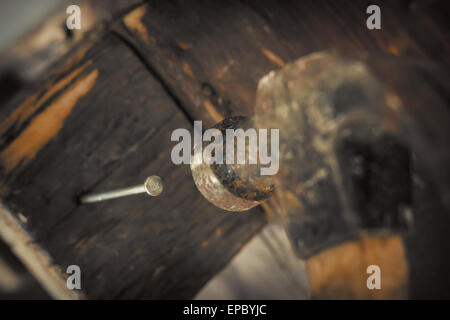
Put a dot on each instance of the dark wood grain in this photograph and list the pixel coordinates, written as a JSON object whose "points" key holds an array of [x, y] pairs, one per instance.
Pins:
{"points": [[212, 54], [117, 134], [160, 66]]}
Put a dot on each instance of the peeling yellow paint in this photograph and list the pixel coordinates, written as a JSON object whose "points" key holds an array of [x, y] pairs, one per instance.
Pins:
{"points": [[273, 57], [76, 58], [212, 111], [26, 109], [46, 125], [133, 21]]}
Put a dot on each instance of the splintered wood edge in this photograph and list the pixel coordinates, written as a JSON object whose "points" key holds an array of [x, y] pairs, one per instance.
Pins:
{"points": [[36, 259]]}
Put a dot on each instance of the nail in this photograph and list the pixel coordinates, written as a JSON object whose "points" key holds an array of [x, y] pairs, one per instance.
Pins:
{"points": [[152, 185]]}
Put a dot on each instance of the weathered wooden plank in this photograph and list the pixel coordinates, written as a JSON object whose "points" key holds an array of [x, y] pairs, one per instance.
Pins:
{"points": [[205, 58], [105, 123], [212, 54], [16, 282]]}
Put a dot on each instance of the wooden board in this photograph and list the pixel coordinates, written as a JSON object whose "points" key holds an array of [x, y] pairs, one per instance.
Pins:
{"points": [[103, 124], [104, 118], [212, 54]]}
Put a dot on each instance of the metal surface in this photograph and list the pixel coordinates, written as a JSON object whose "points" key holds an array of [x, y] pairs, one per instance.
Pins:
{"points": [[232, 187], [152, 186], [242, 180]]}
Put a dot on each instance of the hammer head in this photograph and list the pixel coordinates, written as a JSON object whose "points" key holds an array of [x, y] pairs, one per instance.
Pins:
{"points": [[349, 125]]}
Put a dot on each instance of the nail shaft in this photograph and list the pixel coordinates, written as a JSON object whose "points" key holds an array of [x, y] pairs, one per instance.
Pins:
{"points": [[153, 186]]}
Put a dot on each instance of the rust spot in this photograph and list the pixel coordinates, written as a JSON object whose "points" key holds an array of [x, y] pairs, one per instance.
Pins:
{"points": [[212, 111], [184, 45], [26, 109], [218, 232], [133, 21], [394, 50], [205, 244], [46, 125], [273, 57], [187, 69]]}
